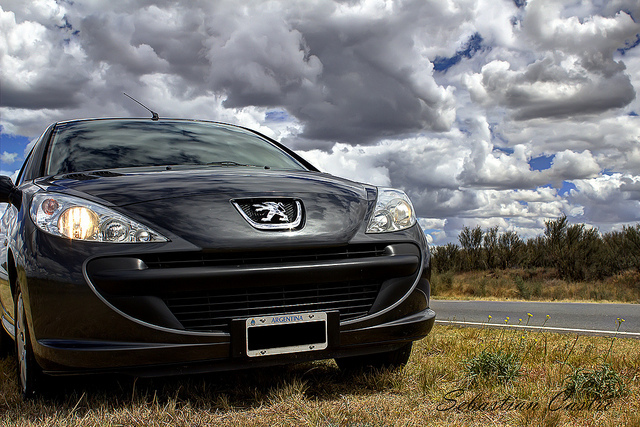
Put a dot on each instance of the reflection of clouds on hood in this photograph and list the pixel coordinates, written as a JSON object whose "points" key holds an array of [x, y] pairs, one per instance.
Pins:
{"points": [[486, 112]]}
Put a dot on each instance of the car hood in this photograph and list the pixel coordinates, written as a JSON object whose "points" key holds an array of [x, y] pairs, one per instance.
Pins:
{"points": [[195, 205]]}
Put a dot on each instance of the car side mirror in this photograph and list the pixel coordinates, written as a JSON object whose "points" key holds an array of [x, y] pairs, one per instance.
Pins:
{"points": [[9, 193]]}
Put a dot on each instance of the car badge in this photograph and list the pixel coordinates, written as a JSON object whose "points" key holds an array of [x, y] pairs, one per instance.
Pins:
{"points": [[271, 214], [272, 209]]}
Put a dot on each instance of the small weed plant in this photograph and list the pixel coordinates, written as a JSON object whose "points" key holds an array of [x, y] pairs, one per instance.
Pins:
{"points": [[502, 366], [600, 383], [500, 360]]}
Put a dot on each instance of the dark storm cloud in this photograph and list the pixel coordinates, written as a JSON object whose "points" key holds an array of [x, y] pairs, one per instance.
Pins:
{"points": [[557, 86], [353, 78], [108, 41], [177, 36], [630, 188], [602, 86], [46, 93], [363, 100], [259, 61]]}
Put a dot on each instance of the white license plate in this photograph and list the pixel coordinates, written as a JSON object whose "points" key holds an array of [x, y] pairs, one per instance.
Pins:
{"points": [[286, 333]]}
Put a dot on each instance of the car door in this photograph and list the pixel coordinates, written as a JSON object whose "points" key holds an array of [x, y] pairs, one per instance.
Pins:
{"points": [[7, 222]]}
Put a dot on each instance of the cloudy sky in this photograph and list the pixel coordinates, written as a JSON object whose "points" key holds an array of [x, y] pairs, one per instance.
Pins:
{"points": [[486, 112]]}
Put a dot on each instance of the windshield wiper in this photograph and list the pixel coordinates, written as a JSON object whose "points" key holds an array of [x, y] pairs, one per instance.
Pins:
{"points": [[226, 163], [232, 163]]}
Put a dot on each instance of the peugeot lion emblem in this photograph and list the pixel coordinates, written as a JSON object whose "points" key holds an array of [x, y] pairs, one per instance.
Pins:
{"points": [[271, 214], [273, 209]]}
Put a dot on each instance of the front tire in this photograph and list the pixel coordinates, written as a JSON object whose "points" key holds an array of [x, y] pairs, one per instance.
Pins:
{"points": [[30, 375], [389, 360], [6, 343]]}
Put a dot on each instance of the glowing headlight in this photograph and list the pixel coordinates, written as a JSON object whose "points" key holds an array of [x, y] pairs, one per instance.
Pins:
{"points": [[393, 212], [78, 222], [79, 219]]}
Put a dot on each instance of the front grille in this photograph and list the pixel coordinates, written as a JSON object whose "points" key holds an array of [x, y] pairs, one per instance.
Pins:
{"points": [[200, 259], [206, 290], [214, 309]]}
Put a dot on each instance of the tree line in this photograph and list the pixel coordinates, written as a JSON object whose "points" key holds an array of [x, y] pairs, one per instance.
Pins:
{"points": [[575, 251]]}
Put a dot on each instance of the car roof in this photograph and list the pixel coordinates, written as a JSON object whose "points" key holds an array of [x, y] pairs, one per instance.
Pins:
{"points": [[147, 119]]}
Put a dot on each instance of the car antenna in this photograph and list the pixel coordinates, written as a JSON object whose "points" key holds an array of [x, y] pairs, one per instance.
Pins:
{"points": [[155, 115]]}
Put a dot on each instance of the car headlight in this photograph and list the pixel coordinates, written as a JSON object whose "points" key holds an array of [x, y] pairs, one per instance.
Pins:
{"points": [[79, 219], [393, 212]]}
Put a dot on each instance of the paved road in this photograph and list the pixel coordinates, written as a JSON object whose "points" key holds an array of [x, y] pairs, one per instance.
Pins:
{"points": [[587, 318]]}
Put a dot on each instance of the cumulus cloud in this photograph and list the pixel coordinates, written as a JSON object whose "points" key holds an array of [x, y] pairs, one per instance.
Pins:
{"points": [[556, 86], [451, 101], [608, 199], [8, 157], [574, 71], [37, 69]]}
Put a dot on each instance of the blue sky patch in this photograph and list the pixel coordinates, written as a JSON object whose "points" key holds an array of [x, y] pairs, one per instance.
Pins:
{"points": [[277, 116], [473, 46], [507, 150], [12, 144], [541, 163], [566, 187], [630, 45]]}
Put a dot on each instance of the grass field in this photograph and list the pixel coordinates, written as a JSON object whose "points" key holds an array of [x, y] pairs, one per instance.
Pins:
{"points": [[534, 285], [462, 377]]}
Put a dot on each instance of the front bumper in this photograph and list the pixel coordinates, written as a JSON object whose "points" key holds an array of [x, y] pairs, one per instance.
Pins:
{"points": [[153, 359], [94, 312]]}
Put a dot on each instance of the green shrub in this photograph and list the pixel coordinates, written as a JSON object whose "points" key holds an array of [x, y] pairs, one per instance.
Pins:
{"points": [[441, 282], [577, 252], [523, 289], [501, 366], [599, 384]]}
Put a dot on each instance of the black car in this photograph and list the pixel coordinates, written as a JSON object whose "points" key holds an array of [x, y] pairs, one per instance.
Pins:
{"points": [[165, 246]]}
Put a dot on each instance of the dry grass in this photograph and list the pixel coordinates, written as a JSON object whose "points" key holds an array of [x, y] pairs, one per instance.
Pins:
{"points": [[318, 394], [535, 285]]}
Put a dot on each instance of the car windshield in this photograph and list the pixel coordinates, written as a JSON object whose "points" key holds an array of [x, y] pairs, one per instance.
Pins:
{"points": [[109, 144]]}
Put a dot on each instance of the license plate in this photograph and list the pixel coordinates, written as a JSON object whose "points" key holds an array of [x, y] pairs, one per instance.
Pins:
{"points": [[286, 333]]}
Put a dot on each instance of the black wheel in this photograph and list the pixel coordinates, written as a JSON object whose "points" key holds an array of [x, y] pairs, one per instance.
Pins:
{"points": [[30, 375], [388, 360]]}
